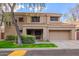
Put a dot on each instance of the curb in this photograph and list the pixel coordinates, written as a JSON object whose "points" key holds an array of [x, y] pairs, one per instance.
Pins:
{"points": [[11, 49]]}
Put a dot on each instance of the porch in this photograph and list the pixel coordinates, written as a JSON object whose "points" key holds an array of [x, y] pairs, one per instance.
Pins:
{"points": [[38, 33]]}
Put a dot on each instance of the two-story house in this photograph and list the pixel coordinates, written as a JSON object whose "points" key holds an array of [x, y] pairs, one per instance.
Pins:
{"points": [[45, 26]]}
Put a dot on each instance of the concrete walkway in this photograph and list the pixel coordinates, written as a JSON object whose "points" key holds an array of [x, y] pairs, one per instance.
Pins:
{"points": [[67, 44]]}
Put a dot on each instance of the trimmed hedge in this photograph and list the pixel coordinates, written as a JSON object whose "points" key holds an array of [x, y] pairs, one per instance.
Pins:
{"points": [[28, 39], [11, 38]]}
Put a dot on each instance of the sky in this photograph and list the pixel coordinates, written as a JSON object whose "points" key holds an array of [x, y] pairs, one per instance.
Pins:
{"points": [[60, 8]]}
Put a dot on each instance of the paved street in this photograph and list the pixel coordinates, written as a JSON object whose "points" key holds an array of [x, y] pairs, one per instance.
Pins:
{"points": [[5, 53], [49, 52], [45, 52], [58, 52]]}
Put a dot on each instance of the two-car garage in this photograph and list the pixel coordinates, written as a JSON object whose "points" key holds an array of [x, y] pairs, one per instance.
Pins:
{"points": [[59, 35]]}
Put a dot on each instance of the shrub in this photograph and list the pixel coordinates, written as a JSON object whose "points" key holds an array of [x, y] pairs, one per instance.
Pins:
{"points": [[28, 39], [11, 38]]}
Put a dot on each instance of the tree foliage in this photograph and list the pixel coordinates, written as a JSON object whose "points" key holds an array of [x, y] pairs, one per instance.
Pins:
{"points": [[73, 14]]}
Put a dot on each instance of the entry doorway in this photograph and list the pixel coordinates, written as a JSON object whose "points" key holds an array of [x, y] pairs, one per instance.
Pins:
{"points": [[38, 33]]}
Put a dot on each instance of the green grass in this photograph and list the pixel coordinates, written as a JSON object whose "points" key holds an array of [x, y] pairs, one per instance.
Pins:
{"points": [[6, 44], [50, 45]]}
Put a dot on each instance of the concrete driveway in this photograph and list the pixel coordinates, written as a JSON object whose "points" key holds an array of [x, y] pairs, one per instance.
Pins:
{"points": [[67, 44]]}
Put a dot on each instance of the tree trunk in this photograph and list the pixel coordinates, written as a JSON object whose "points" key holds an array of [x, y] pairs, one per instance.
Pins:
{"points": [[17, 29], [2, 16], [15, 23]]}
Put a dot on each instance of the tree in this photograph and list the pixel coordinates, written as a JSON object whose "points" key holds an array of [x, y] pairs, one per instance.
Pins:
{"points": [[73, 14], [36, 7], [1, 14], [10, 7]]}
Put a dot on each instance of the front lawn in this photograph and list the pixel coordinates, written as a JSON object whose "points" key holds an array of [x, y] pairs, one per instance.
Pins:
{"points": [[7, 44], [50, 45]]}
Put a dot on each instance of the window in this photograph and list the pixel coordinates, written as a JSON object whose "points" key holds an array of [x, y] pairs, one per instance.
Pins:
{"points": [[35, 19], [38, 32], [21, 19], [54, 18], [8, 23], [77, 30]]}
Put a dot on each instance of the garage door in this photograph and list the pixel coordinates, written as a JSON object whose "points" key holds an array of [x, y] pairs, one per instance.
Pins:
{"points": [[59, 35]]}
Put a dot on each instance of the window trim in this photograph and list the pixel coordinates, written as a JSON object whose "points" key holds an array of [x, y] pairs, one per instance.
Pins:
{"points": [[21, 20], [54, 17], [35, 19]]}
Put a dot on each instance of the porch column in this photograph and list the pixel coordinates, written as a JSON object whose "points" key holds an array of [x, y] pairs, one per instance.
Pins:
{"points": [[73, 36], [45, 34], [24, 31]]}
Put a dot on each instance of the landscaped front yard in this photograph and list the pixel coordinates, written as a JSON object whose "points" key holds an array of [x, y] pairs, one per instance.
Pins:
{"points": [[7, 44], [28, 41]]}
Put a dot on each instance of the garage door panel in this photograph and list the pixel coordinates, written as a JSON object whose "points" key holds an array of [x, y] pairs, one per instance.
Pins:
{"points": [[59, 35]]}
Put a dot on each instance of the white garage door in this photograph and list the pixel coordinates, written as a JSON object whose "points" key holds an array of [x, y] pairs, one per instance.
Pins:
{"points": [[59, 35]]}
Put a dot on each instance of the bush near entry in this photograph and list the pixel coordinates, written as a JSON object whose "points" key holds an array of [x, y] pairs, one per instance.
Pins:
{"points": [[28, 39], [11, 38]]}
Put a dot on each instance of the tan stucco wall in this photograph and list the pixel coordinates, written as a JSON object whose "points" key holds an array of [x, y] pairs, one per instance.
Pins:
{"points": [[44, 17], [10, 31]]}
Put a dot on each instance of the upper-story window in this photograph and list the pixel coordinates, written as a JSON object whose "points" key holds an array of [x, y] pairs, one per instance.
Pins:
{"points": [[21, 19], [53, 18], [35, 19]]}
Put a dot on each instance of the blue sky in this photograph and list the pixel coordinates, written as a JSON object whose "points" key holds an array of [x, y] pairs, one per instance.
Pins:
{"points": [[61, 8]]}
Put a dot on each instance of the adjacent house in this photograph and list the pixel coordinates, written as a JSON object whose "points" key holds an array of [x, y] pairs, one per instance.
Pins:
{"points": [[44, 26]]}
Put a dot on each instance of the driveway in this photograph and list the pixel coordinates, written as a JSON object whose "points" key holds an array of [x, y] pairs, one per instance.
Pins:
{"points": [[67, 44]]}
